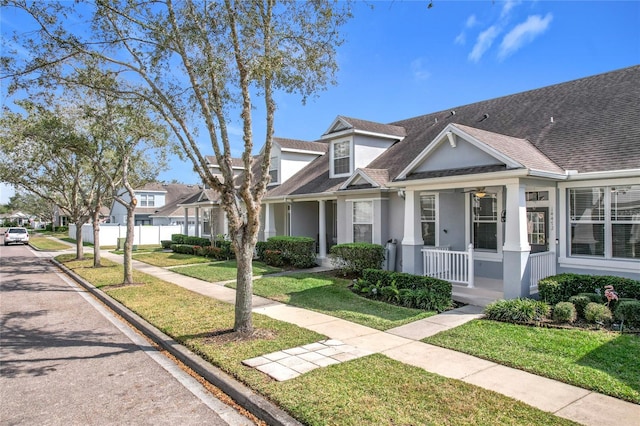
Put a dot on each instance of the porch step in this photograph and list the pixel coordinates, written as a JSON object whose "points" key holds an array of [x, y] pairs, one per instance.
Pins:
{"points": [[475, 296]]}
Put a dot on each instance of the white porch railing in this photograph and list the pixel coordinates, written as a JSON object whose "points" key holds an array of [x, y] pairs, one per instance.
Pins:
{"points": [[452, 266], [541, 265]]}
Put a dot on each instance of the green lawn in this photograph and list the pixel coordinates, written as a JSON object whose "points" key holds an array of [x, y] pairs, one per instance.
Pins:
{"points": [[602, 361], [331, 295], [168, 259], [42, 243], [373, 390], [225, 270]]}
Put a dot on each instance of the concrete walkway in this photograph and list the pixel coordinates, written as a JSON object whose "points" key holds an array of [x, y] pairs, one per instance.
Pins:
{"points": [[403, 344]]}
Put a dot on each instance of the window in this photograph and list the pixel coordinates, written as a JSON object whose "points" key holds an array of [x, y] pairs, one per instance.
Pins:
{"points": [[342, 158], [147, 200], [428, 218], [485, 222], [362, 222], [605, 221], [273, 169]]}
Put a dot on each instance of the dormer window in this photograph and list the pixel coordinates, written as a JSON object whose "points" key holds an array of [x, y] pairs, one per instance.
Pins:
{"points": [[274, 166], [341, 158]]}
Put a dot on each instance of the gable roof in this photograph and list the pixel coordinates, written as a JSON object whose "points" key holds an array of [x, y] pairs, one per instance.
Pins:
{"points": [[367, 178], [174, 193], [342, 125], [299, 145]]}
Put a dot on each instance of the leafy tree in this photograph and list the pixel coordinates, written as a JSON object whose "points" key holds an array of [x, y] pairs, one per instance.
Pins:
{"points": [[200, 65], [33, 205]]}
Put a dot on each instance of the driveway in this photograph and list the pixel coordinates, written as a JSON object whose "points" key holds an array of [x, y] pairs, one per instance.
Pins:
{"points": [[66, 360]]}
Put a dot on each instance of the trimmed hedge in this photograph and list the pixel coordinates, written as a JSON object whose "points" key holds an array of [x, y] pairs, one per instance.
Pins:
{"points": [[354, 258], [166, 244], [597, 313], [564, 312], [559, 288], [628, 311], [299, 252], [399, 288], [182, 248]]}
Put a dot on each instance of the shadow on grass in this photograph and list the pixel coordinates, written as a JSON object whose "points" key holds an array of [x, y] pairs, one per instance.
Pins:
{"points": [[617, 358]]}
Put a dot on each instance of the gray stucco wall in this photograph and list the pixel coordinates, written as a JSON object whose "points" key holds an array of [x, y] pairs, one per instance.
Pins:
{"points": [[452, 217], [304, 219]]}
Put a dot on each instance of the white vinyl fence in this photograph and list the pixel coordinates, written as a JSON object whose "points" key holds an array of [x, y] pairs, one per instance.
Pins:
{"points": [[143, 234]]}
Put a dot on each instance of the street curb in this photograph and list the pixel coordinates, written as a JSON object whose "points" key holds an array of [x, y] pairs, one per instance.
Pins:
{"points": [[255, 403]]}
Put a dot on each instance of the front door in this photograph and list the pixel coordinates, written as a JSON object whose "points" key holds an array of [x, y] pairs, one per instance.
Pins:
{"points": [[538, 228]]}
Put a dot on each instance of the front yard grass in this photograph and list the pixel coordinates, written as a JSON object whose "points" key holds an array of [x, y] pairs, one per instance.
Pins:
{"points": [[601, 361], [169, 259], [224, 270], [371, 390], [332, 296], [47, 244]]}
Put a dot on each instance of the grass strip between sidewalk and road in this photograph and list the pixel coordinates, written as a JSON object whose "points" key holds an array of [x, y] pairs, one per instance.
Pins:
{"points": [[43, 243], [602, 361], [371, 390]]}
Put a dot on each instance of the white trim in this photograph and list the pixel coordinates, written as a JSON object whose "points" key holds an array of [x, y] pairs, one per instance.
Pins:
{"points": [[301, 151], [591, 263], [608, 174], [444, 136], [358, 173], [366, 199], [332, 173]]}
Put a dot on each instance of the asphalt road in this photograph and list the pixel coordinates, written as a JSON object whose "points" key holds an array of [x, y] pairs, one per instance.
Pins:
{"points": [[64, 359]]}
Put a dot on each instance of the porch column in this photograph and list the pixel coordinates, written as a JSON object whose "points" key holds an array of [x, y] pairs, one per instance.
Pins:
{"points": [[225, 224], [322, 229], [269, 222], [186, 221], [516, 247], [197, 230], [412, 241]]}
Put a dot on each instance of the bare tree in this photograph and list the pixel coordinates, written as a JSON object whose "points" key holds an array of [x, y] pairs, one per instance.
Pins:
{"points": [[200, 64]]}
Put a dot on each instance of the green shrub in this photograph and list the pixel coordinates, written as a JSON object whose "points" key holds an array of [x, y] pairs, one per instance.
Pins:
{"points": [[628, 311], [182, 248], [582, 300], [226, 250], [166, 244], [273, 258], [261, 246], [354, 258], [196, 241], [559, 288], [178, 238], [299, 252], [517, 310], [597, 313], [564, 312], [398, 288]]}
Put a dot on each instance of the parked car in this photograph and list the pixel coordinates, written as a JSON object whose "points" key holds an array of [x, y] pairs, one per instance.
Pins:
{"points": [[16, 235]]}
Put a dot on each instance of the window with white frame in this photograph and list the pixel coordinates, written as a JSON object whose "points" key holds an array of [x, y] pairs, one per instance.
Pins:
{"points": [[485, 222], [363, 221], [147, 200], [428, 218], [605, 221], [342, 157], [274, 166]]}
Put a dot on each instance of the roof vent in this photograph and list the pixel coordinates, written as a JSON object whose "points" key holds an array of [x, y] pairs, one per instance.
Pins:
{"points": [[551, 120], [484, 117], [453, 112]]}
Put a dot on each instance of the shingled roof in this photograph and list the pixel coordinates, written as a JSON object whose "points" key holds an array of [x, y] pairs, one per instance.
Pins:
{"points": [[299, 145]]}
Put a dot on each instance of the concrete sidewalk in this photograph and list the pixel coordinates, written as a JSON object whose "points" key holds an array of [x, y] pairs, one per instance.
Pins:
{"points": [[403, 344]]}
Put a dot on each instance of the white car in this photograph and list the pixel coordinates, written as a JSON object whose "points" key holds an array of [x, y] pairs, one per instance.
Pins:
{"points": [[16, 235]]}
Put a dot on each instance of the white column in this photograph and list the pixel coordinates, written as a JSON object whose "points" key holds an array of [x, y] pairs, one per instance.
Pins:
{"points": [[186, 221], [269, 221], [412, 241], [197, 222], [225, 224], [516, 248], [322, 229]]}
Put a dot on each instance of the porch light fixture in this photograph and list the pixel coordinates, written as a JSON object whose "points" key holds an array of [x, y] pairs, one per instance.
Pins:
{"points": [[480, 194]]}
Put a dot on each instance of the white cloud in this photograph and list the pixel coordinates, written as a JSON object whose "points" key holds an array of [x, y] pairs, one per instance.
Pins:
{"points": [[483, 43], [471, 21], [418, 70], [461, 38], [508, 5], [524, 33]]}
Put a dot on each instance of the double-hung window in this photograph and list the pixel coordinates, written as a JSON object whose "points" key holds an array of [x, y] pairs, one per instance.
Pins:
{"points": [[428, 218], [274, 165], [362, 221], [485, 222], [605, 221], [147, 200], [342, 158]]}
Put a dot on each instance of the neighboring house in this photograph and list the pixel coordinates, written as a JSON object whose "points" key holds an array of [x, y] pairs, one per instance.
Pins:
{"points": [[157, 204], [493, 195], [17, 217]]}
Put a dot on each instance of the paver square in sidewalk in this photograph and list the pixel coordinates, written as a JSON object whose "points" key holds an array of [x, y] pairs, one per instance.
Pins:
{"points": [[290, 363]]}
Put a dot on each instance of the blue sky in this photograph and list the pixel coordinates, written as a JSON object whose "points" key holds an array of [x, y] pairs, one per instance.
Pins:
{"points": [[401, 60]]}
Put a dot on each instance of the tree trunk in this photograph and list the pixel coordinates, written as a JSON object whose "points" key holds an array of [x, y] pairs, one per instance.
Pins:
{"points": [[79, 243], [96, 238], [244, 288], [128, 247]]}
